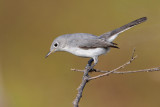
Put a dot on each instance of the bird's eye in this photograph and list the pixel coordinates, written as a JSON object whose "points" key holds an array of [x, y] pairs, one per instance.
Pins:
{"points": [[55, 44]]}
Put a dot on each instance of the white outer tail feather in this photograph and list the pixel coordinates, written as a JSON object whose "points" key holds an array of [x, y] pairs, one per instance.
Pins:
{"points": [[110, 39]]}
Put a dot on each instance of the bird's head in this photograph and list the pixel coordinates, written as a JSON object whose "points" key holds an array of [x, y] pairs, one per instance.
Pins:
{"points": [[57, 45]]}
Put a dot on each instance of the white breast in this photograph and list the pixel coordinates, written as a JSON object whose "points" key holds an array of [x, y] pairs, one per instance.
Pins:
{"points": [[86, 52]]}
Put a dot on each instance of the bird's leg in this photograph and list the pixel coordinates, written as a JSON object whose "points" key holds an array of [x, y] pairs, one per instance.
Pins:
{"points": [[89, 63], [95, 62]]}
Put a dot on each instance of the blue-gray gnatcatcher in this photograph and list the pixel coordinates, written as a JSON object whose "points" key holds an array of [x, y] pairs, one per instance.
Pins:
{"points": [[88, 45]]}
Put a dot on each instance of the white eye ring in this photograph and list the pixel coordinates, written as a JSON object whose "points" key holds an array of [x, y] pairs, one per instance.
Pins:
{"points": [[56, 44]]}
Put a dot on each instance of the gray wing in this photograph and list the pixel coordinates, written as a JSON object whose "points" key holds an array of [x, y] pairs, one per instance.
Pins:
{"points": [[97, 43], [110, 36], [87, 41]]}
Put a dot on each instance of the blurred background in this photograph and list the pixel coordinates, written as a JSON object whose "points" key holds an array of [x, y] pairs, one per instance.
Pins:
{"points": [[27, 29]]}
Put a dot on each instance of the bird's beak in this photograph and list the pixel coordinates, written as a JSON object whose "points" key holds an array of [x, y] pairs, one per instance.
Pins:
{"points": [[49, 53]]}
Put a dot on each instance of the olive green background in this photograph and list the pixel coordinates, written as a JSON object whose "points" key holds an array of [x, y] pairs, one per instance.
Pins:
{"points": [[27, 29]]}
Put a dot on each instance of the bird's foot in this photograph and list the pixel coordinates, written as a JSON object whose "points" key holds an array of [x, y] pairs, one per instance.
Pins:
{"points": [[90, 67]]}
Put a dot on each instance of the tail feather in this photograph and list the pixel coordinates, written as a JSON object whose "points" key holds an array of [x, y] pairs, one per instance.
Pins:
{"points": [[113, 45], [110, 36]]}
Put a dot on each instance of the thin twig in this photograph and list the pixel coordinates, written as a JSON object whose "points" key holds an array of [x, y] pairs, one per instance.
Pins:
{"points": [[86, 78], [143, 70], [124, 72], [133, 53], [107, 73], [81, 87], [132, 58]]}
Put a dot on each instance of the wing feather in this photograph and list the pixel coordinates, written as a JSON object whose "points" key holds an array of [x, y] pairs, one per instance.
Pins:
{"points": [[97, 43]]}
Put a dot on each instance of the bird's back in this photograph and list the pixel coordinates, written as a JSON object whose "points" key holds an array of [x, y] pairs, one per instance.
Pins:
{"points": [[77, 39]]}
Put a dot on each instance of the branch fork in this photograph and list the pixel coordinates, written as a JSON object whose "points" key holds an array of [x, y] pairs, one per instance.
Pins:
{"points": [[86, 78]]}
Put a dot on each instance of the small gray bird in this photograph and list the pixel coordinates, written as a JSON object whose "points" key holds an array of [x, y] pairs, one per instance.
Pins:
{"points": [[88, 45]]}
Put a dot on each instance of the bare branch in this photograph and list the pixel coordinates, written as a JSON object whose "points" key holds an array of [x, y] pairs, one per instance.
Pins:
{"points": [[81, 87], [107, 73], [78, 70], [127, 72], [143, 70], [88, 69], [86, 78], [133, 53], [122, 66], [123, 72]]}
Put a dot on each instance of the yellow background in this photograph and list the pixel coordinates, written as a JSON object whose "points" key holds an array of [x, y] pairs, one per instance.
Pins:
{"points": [[27, 29]]}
